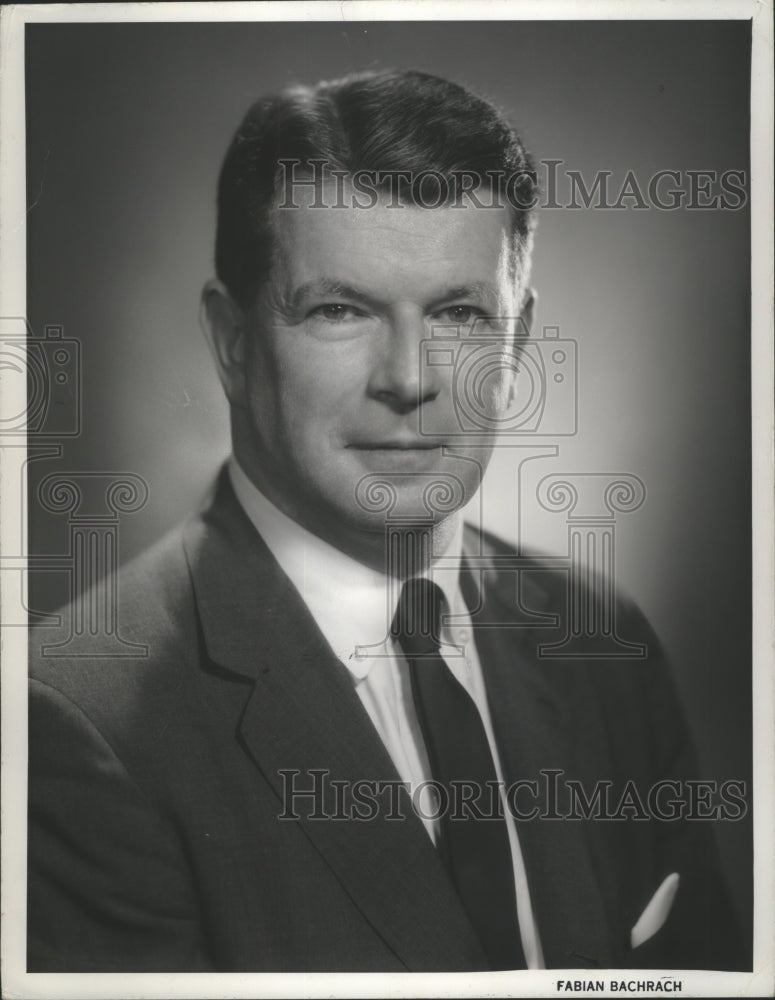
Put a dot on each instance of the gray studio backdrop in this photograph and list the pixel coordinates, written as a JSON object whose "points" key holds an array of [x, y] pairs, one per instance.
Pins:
{"points": [[127, 125]]}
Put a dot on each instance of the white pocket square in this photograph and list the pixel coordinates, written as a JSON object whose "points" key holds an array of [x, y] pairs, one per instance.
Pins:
{"points": [[656, 913]]}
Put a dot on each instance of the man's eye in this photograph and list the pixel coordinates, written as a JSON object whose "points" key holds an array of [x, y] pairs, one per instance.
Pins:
{"points": [[460, 314], [336, 312]]}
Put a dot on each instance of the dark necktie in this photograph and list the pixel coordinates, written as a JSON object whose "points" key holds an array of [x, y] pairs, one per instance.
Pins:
{"points": [[475, 851]]}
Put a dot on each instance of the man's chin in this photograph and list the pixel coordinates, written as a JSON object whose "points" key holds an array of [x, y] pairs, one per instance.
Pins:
{"points": [[400, 497]]}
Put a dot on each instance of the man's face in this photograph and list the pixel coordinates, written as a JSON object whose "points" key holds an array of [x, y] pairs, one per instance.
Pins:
{"points": [[336, 386]]}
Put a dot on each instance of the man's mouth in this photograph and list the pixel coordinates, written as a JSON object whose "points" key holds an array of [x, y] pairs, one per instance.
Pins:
{"points": [[404, 442], [399, 454], [423, 445]]}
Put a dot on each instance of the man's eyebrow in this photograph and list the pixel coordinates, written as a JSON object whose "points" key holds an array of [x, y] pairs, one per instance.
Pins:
{"points": [[326, 286], [333, 286], [474, 289]]}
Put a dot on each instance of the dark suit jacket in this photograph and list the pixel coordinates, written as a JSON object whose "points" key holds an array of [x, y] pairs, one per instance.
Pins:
{"points": [[155, 788]]}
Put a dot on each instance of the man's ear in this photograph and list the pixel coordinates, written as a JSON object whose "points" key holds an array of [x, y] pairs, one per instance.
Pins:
{"points": [[225, 326]]}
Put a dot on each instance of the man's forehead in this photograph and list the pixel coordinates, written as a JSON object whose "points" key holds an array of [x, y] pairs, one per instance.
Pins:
{"points": [[349, 202], [447, 246]]}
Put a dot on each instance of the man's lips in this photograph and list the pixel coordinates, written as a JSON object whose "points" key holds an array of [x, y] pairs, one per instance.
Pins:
{"points": [[414, 445], [405, 454], [406, 439]]}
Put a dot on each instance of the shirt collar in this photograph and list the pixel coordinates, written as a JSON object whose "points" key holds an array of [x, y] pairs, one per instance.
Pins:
{"points": [[352, 604]]}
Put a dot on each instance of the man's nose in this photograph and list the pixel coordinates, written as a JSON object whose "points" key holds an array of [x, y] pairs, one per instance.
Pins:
{"points": [[400, 377]]}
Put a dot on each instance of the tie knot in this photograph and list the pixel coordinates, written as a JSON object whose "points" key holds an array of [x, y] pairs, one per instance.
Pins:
{"points": [[417, 623]]}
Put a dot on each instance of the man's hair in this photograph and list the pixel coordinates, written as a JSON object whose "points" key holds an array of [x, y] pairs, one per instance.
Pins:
{"points": [[387, 123]]}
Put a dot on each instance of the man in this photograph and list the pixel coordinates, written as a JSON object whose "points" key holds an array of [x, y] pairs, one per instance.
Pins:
{"points": [[325, 648]]}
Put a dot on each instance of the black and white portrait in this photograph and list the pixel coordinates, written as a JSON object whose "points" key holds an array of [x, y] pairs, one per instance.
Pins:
{"points": [[378, 412]]}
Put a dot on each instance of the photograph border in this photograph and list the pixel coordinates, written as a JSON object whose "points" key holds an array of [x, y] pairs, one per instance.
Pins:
{"points": [[16, 981]]}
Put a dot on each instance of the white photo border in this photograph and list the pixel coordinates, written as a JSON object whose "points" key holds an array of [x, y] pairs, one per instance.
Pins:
{"points": [[18, 983]]}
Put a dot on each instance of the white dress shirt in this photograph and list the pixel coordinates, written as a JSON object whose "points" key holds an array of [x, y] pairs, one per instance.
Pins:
{"points": [[354, 606]]}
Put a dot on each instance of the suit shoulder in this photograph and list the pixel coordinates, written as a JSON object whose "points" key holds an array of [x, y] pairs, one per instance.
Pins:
{"points": [[137, 621], [544, 576]]}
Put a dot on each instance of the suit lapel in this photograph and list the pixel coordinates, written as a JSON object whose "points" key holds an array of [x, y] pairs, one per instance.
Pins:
{"points": [[534, 734], [303, 715]]}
